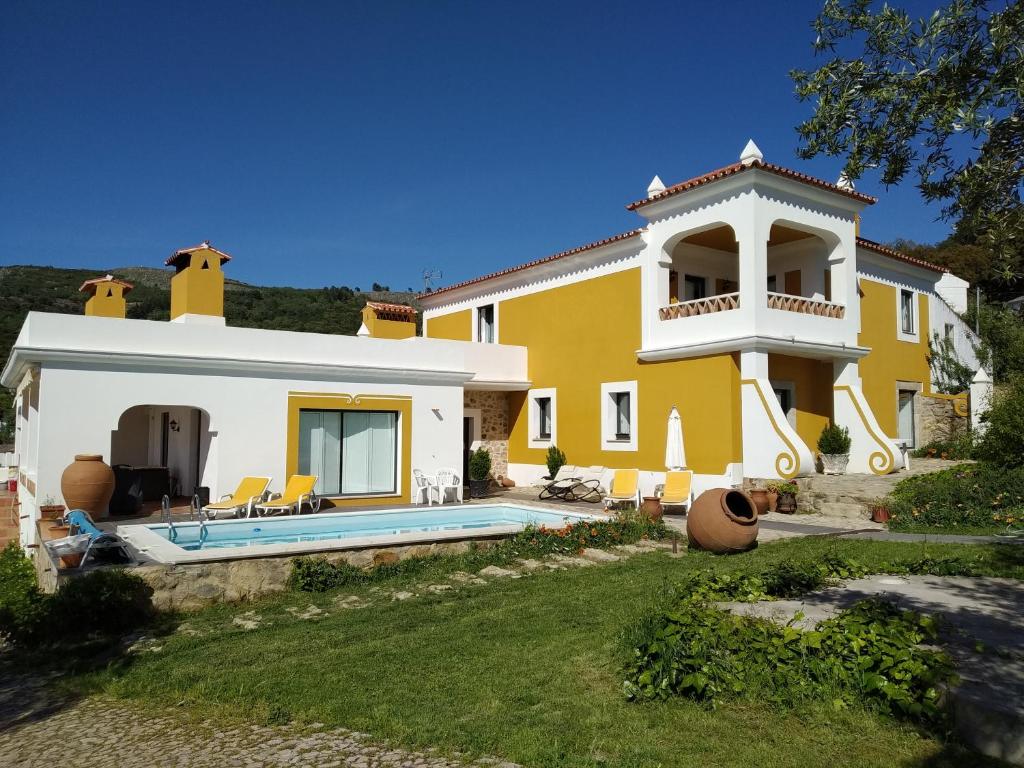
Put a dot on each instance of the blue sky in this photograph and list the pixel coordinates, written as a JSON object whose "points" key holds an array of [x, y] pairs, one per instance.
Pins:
{"points": [[348, 142]]}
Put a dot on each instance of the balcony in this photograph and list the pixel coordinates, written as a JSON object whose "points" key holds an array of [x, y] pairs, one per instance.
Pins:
{"points": [[720, 303], [805, 306]]}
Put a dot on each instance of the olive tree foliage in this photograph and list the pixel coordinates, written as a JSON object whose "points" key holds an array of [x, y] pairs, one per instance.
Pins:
{"points": [[939, 98]]}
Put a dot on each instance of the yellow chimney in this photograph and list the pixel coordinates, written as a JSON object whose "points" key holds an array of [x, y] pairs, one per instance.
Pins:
{"points": [[197, 287], [388, 321], [106, 296]]}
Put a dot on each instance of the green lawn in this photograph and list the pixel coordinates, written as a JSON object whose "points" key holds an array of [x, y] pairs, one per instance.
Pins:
{"points": [[522, 669]]}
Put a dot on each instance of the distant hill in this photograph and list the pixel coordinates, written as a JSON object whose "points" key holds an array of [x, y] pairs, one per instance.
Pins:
{"points": [[333, 309]]}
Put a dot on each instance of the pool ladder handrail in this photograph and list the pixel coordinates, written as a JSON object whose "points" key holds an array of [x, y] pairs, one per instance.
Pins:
{"points": [[165, 517], [200, 514]]}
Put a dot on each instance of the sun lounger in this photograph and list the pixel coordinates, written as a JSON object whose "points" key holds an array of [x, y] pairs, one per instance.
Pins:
{"points": [[94, 545], [678, 489], [297, 492], [561, 484], [248, 493], [625, 488], [588, 487]]}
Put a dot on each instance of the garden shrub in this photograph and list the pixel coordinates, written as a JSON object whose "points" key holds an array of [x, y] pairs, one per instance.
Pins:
{"points": [[869, 654], [955, 447], [108, 603], [834, 440], [976, 496], [480, 464], [1002, 442], [554, 459]]}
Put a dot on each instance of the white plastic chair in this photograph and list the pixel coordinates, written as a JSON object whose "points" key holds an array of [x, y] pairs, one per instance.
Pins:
{"points": [[447, 479], [423, 487]]}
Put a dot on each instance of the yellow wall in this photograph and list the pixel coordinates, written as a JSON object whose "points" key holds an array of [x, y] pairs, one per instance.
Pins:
{"points": [[586, 333], [346, 402], [388, 329], [102, 305], [199, 291], [457, 326], [812, 381], [890, 359]]}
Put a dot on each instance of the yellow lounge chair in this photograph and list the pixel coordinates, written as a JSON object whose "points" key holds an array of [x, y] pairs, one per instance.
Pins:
{"points": [[248, 493], [625, 487], [297, 492], [678, 489]]}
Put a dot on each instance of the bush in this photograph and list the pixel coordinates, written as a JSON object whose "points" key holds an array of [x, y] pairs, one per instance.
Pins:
{"points": [[959, 446], [480, 464], [108, 603], [970, 496], [1003, 440], [555, 460], [869, 654], [834, 440]]}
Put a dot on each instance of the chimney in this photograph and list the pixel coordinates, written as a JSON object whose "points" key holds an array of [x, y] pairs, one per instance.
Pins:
{"points": [[197, 288], [388, 321], [106, 296]]}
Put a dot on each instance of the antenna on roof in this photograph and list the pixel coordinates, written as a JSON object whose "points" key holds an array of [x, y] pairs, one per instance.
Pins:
{"points": [[430, 275]]}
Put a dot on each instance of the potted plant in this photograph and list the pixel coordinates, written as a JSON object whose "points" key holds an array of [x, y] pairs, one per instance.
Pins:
{"points": [[479, 473], [786, 493], [880, 511], [50, 509], [761, 500], [555, 460], [834, 447], [773, 497]]}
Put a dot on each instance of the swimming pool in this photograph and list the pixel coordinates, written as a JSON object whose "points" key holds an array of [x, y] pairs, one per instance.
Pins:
{"points": [[261, 536]]}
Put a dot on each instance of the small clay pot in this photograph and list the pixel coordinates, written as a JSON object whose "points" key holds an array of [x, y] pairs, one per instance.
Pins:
{"points": [[51, 511], [508, 482], [88, 483], [879, 515], [652, 509], [760, 499], [773, 500], [722, 520]]}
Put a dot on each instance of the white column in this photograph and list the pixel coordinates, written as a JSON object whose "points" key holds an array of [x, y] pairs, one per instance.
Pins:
{"points": [[981, 399]]}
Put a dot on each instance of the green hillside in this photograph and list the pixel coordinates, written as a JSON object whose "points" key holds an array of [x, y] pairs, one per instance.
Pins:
{"points": [[49, 289]]}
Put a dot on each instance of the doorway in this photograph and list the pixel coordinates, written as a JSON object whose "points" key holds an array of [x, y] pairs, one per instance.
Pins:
{"points": [[905, 417], [467, 447]]}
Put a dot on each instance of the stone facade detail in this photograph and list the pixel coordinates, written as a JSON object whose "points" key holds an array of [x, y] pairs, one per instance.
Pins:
{"points": [[939, 418], [493, 407]]}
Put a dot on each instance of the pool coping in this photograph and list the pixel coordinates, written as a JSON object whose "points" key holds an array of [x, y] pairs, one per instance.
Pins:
{"points": [[155, 549]]}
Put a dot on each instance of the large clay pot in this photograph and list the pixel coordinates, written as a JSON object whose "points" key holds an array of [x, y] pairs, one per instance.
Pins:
{"points": [[760, 499], [722, 520], [652, 509], [88, 483]]}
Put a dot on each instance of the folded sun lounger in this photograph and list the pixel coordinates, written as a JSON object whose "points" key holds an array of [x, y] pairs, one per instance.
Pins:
{"points": [[678, 489], [561, 484]]}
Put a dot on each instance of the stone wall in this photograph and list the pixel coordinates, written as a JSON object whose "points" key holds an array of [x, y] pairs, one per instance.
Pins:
{"points": [[939, 417], [493, 408]]}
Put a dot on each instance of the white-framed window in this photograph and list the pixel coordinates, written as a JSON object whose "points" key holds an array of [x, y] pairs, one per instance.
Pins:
{"points": [[352, 453], [543, 416], [487, 324], [906, 315], [619, 422]]}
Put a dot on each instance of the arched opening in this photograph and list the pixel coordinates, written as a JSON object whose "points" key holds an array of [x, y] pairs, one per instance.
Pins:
{"points": [[703, 271], [157, 450], [798, 264]]}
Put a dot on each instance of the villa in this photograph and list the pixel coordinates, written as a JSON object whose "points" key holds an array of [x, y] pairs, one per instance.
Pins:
{"points": [[746, 298]]}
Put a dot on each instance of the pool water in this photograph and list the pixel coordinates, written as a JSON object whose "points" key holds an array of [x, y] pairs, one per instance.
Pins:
{"points": [[349, 525]]}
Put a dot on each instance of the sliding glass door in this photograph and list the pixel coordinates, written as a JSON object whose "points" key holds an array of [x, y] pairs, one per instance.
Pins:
{"points": [[351, 452]]}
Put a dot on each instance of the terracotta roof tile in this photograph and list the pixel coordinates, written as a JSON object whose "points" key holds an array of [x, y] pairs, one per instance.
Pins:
{"points": [[90, 285], [401, 309], [871, 245], [537, 262], [172, 260], [735, 168]]}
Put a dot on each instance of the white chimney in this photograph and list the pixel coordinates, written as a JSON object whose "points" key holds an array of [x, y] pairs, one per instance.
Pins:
{"points": [[751, 154], [953, 290]]}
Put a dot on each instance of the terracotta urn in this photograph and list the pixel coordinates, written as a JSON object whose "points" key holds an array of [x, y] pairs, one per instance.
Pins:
{"points": [[88, 483], [652, 509], [773, 499], [722, 520], [760, 498]]}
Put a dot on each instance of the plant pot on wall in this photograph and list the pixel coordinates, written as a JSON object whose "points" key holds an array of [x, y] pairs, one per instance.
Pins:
{"points": [[51, 511], [88, 483], [834, 463]]}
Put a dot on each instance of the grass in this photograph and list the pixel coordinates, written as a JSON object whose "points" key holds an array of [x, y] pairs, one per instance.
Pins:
{"points": [[522, 669]]}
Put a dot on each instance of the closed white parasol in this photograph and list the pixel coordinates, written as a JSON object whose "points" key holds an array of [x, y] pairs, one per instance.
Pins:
{"points": [[675, 454]]}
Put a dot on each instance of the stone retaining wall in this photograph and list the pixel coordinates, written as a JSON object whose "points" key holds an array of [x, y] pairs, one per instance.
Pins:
{"points": [[191, 586], [939, 418]]}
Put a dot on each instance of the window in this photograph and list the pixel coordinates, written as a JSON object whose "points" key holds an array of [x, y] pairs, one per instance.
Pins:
{"points": [[773, 284], [544, 418], [351, 452], [907, 311], [485, 324], [694, 287], [949, 331], [619, 416], [785, 393], [622, 419]]}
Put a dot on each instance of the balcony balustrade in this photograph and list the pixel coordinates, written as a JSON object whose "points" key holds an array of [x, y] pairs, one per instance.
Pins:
{"points": [[805, 306], [720, 303]]}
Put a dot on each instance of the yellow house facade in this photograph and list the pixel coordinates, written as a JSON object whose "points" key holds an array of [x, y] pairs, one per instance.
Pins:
{"points": [[747, 300]]}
